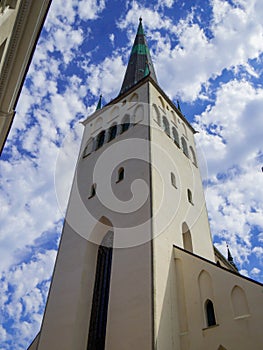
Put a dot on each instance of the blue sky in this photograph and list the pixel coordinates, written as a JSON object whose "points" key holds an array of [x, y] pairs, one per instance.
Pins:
{"points": [[208, 54]]}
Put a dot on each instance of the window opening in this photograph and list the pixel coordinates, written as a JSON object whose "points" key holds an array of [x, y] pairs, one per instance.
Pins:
{"points": [[120, 174], [92, 191], [175, 137], [185, 148], [166, 126], [99, 311], [189, 196], [125, 124], [100, 139], [173, 180], [112, 132], [210, 313]]}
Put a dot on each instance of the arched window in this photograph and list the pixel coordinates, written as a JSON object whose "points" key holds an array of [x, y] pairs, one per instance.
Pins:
{"points": [[93, 191], [100, 139], [239, 302], [193, 155], [166, 126], [175, 137], [99, 311], [112, 132], [173, 180], [120, 174], [156, 114], [189, 196], [185, 148], [89, 148], [187, 238], [210, 313], [125, 123]]}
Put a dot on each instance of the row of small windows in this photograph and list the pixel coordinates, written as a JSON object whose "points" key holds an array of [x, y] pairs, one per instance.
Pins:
{"points": [[175, 136], [106, 136], [173, 133]]}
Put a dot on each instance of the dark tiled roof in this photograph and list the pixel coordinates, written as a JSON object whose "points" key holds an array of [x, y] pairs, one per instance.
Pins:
{"points": [[140, 63]]}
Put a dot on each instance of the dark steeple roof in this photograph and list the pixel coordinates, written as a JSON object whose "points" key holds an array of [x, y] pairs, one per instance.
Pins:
{"points": [[140, 63], [99, 103], [230, 258]]}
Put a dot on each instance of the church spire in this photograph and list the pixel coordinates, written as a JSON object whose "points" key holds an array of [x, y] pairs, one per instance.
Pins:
{"points": [[230, 258], [140, 63]]}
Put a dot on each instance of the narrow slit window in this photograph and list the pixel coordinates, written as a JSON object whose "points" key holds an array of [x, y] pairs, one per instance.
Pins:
{"points": [[120, 175], [173, 180], [189, 196], [92, 191]]}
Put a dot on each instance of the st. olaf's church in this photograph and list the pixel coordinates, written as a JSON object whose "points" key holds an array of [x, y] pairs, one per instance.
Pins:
{"points": [[136, 267]]}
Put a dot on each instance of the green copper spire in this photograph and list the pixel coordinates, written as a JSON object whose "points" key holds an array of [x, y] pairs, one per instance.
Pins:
{"points": [[140, 63], [99, 103]]}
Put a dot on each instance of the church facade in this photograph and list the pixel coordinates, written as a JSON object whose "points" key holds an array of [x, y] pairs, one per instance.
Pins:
{"points": [[136, 267]]}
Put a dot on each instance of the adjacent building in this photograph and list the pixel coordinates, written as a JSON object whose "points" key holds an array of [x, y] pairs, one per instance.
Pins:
{"points": [[21, 22]]}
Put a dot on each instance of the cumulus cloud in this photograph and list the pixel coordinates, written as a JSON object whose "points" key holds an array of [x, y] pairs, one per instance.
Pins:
{"points": [[59, 91]]}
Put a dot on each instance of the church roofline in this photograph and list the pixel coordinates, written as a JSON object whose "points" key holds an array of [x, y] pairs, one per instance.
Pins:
{"points": [[133, 88], [219, 267], [155, 84]]}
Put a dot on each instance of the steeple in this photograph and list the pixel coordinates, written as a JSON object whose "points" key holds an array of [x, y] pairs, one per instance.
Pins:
{"points": [[230, 258], [99, 103], [140, 63]]}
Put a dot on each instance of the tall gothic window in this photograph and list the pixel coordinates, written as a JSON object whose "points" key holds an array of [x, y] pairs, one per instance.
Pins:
{"points": [[210, 313], [99, 311]]}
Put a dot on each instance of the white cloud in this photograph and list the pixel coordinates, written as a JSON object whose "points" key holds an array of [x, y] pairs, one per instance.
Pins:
{"points": [[255, 271]]}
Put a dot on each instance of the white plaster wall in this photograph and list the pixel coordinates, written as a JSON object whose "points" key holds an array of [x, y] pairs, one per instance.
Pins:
{"points": [[129, 326], [235, 333], [171, 209]]}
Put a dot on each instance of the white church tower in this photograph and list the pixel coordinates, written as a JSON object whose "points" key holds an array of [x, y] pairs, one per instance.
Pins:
{"points": [[136, 267]]}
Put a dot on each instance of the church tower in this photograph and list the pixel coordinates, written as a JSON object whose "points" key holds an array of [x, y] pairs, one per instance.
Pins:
{"points": [[136, 267]]}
